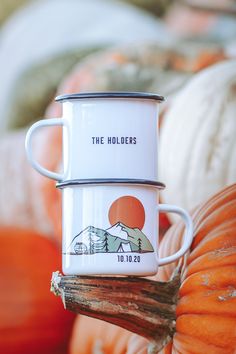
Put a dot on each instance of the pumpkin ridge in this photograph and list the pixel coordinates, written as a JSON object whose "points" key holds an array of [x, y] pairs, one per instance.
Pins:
{"points": [[220, 302], [213, 329], [206, 209], [217, 201], [168, 247], [189, 344], [225, 212], [215, 278], [212, 259], [223, 238]]}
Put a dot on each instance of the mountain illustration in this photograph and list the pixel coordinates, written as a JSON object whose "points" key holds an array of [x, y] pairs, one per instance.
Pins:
{"points": [[117, 238]]}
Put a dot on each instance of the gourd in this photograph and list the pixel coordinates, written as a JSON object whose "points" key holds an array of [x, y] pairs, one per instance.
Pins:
{"points": [[21, 201], [31, 319], [102, 337], [195, 21], [29, 81], [205, 301], [197, 139]]}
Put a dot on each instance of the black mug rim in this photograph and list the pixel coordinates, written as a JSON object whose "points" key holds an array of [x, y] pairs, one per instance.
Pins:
{"points": [[111, 94], [109, 181]]}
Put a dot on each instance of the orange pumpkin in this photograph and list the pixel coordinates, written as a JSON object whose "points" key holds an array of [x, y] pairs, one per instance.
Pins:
{"points": [[206, 308], [32, 320], [95, 336]]}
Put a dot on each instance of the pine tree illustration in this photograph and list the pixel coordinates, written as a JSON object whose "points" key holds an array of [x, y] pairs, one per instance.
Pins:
{"points": [[91, 244], [139, 245], [106, 243]]}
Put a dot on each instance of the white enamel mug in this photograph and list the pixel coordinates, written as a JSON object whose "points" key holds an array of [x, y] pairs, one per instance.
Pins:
{"points": [[110, 226], [105, 135]]}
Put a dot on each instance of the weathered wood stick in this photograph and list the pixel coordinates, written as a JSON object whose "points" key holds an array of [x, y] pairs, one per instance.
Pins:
{"points": [[142, 306]]}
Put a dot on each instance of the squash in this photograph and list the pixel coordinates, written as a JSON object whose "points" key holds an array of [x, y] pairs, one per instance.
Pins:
{"points": [[203, 21], [29, 82], [103, 337], [31, 319], [21, 201], [205, 309], [197, 139]]}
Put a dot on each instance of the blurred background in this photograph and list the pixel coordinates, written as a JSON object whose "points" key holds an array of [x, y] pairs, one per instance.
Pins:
{"points": [[184, 50]]}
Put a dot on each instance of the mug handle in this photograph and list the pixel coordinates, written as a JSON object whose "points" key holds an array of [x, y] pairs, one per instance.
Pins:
{"points": [[188, 236], [28, 147]]}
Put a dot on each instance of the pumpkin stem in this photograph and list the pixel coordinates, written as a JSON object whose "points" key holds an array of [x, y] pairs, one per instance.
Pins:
{"points": [[142, 306]]}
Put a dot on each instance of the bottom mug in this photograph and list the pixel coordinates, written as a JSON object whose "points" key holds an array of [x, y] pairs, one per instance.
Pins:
{"points": [[110, 227]]}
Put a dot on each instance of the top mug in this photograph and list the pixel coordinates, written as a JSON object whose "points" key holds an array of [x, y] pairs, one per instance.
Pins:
{"points": [[105, 135]]}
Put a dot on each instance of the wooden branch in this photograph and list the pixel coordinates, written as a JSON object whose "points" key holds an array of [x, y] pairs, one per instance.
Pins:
{"points": [[142, 306]]}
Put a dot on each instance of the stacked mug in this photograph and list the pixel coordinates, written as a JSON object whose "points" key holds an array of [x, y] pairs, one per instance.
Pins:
{"points": [[110, 184]]}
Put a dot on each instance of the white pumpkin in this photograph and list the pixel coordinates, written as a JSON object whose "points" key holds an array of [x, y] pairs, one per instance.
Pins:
{"points": [[198, 137], [45, 30]]}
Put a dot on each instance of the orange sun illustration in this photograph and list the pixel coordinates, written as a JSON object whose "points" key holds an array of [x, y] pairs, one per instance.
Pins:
{"points": [[128, 210]]}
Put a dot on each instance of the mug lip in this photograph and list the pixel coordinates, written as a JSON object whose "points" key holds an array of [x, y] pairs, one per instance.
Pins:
{"points": [[111, 94], [109, 181]]}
